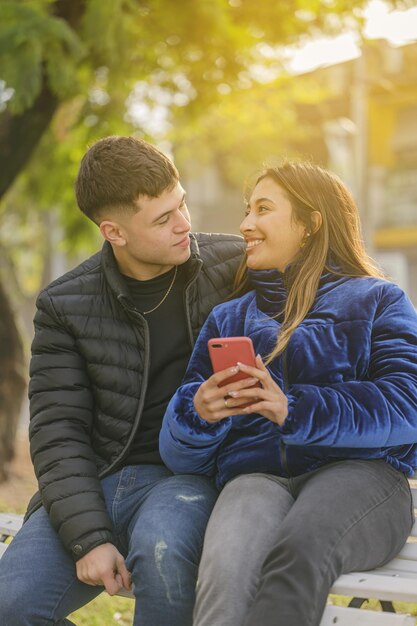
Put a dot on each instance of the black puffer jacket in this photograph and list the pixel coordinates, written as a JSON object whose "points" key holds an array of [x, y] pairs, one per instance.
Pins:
{"points": [[89, 371]]}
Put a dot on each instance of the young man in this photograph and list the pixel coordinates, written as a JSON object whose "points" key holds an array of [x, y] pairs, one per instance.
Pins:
{"points": [[112, 341]]}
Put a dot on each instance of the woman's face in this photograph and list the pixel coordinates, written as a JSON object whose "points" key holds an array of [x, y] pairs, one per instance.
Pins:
{"points": [[272, 235]]}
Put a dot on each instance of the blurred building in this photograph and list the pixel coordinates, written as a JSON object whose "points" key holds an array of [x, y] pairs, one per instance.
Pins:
{"points": [[365, 130], [369, 130]]}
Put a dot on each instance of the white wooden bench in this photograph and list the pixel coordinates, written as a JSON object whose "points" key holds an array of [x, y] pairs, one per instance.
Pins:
{"points": [[396, 581]]}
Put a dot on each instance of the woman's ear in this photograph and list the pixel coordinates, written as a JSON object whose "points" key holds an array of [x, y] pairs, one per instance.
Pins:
{"points": [[316, 222], [112, 232]]}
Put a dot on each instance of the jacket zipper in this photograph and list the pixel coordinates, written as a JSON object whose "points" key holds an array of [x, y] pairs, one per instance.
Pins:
{"points": [[116, 462], [136, 314], [282, 446], [187, 308]]}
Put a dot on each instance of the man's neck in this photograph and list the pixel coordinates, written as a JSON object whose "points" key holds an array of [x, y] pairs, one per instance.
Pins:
{"points": [[138, 270]]}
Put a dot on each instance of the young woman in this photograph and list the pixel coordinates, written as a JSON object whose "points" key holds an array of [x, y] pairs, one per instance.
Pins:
{"points": [[314, 470]]}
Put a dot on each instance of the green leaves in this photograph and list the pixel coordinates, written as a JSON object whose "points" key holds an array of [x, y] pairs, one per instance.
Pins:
{"points": [[33, 42], [209, 43], [108, 29]]}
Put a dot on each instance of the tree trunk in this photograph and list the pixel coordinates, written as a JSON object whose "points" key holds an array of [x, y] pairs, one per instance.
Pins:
{"points": [[20, 134], [12, 381]]}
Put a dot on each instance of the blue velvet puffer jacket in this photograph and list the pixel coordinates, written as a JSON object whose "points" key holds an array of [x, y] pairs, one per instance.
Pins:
{"points": [[349, 372]]}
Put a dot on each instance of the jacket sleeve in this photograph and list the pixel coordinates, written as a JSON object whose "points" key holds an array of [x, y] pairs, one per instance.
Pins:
{"points": [[60, 421], [187, 443], [376, 412]]}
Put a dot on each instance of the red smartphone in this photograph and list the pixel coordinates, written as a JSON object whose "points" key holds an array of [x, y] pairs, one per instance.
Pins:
{"points": [[227, 352]]}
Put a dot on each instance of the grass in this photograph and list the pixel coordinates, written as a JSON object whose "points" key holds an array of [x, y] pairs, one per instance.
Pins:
{"points": [[105, 611]]}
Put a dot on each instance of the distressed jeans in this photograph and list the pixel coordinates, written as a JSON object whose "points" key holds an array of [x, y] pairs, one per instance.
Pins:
{"points": [[159, 522], [274, 546]]}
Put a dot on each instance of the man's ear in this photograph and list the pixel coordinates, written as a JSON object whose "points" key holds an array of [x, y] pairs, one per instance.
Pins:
{"points": [[112, 232], [316, 221]]}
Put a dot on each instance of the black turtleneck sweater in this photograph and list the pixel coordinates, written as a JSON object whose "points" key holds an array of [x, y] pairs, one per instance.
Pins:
{"points": [[170, 350]]}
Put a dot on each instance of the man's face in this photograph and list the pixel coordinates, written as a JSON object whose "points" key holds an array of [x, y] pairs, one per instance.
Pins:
{"points": [[153, 240]]}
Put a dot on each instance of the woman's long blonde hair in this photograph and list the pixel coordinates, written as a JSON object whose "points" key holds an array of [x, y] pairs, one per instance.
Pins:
{"points": [[311, 188]]}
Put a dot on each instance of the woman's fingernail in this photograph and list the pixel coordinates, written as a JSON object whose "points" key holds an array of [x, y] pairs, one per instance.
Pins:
{"points": [[234, 394]]}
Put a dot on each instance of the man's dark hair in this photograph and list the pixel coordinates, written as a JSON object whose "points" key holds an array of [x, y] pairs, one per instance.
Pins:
{"points": [[116, 170]]}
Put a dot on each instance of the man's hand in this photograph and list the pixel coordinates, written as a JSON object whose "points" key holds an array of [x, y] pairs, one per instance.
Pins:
{"points": [[104, 565]]}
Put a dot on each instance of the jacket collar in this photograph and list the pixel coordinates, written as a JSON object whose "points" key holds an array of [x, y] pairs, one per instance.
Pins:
{"points": [[118, 284], [271, 290], [194, 263], [114, 278], [272, 286]]}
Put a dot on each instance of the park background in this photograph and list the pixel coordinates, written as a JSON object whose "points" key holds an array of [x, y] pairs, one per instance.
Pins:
{"points": [[222, 86]]}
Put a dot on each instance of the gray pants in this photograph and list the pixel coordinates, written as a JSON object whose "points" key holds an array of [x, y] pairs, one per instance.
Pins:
{"points": [[274, 546]]}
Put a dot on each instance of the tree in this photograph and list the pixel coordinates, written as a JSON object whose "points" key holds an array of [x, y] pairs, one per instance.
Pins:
{"points": [[67, 69], [51, 51], [12, 381]]}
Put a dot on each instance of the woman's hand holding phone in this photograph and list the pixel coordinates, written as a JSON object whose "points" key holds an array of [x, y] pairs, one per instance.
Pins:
{"points": [[269, 400], [241, 388], [213, 401]]}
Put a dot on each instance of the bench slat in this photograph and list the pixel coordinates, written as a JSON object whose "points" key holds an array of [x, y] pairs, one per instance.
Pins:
{"points": [[343, 616], [371, 585], [398, 567], [409, 552], [10, 523]]}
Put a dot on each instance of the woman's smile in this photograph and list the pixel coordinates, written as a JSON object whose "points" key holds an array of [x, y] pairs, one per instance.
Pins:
{"points": [[252, 243]]}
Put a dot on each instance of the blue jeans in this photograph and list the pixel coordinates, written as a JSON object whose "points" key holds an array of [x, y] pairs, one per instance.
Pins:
{"points": [[159, 522]]}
